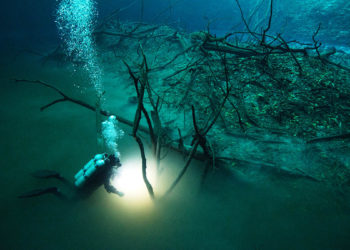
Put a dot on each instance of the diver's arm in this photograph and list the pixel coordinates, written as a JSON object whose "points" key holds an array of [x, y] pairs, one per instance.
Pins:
{"points": [[111, 189]]}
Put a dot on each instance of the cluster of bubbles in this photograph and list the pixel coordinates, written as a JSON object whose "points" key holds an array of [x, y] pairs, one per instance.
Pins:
{"points": [[75, 21], [111, 134]]}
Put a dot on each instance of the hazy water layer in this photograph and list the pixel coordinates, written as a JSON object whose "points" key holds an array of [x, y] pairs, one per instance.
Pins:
{"points": [[230, 212]]}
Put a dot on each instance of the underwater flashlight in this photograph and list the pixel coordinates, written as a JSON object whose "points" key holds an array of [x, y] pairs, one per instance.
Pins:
{"points": [[129, 180]]}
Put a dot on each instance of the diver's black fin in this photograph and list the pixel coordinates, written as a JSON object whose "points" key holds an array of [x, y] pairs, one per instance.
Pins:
{"points": [[45, 174], [41, 191]]}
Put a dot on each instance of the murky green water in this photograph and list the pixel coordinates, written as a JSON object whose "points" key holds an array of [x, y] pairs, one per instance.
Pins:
{"points": [[230, 212]]}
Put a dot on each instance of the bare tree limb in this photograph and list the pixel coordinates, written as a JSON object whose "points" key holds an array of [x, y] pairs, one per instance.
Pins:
{"points": [[183, 171], [329, 138], [80, 103], [144, 167], [269, 24], [244, 21]]}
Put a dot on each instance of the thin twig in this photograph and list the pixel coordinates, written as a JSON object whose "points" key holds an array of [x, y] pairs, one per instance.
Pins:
{"points": [[269, 24]]}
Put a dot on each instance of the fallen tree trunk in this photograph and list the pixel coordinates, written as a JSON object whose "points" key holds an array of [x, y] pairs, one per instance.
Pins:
{"points": [[187, 150]]}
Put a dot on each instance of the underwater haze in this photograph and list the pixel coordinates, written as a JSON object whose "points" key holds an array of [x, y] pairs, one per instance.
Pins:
{"points": [[230, 118]]}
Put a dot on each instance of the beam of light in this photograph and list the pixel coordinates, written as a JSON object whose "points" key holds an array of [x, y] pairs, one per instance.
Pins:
{"points": [[129, 180]]}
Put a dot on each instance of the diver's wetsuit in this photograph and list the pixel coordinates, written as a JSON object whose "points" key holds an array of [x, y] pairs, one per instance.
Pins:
{"points": [[102, 176]]}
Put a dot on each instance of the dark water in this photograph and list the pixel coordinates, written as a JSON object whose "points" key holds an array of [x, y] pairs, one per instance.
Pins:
{"points": [[230, 211]]}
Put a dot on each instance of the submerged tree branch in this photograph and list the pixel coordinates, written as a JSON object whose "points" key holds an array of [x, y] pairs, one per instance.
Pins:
{"points": [[329, 138], [183, 171], [144, 167], [78, 102], [269, 24], [140, 109]]}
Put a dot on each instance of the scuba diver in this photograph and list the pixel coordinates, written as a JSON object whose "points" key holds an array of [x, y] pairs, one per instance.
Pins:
{"points": [[100, 170]]}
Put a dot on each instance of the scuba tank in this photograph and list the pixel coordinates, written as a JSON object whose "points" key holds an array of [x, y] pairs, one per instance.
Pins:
{"points": [[89, 169], [89, 164]]}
